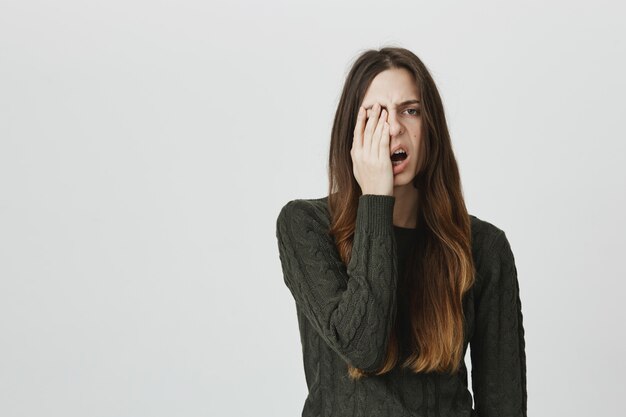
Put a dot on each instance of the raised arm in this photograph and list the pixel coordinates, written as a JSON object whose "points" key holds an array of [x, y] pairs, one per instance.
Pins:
{"points": [[352, 308], [497, 347]]}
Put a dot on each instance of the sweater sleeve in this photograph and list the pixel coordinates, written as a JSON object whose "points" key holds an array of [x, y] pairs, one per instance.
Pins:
{"points": [[497, 347], [351, 308]]}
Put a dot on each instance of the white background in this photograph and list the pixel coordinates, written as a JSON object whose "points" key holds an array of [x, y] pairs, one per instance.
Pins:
{"points": [[147, 147]]}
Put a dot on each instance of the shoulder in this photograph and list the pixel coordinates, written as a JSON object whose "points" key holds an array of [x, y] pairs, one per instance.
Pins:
{"points": [[490, 243], [484, 233], [306, 213], [304, 208], [491, 250]]}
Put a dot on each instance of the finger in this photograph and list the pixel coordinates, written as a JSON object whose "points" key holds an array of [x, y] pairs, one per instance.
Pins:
{"points": [[378, 131], [369, 128], [384, 142], [357, 139]]}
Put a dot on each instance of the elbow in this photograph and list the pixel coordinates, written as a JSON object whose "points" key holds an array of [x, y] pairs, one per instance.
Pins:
{"points": [[369, 355], [368, 361]]}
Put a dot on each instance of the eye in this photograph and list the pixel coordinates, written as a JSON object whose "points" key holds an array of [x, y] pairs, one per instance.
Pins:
{"points": [[417, 112]]}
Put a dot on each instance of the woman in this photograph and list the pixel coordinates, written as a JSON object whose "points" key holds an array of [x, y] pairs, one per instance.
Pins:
{"points": [[391, 277]]}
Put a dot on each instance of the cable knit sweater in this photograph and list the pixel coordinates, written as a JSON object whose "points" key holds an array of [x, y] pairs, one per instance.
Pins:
{"points": [[346, 312]]}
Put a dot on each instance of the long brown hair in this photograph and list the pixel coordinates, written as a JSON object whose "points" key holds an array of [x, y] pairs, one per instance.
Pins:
{"points": [[440, 270]]}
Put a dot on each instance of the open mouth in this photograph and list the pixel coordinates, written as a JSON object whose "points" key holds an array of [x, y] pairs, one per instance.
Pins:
{"points": [[398, 156]]}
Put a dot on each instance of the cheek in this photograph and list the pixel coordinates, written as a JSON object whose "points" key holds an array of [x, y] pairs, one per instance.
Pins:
{"points": [[417, 150], [416, 142]]}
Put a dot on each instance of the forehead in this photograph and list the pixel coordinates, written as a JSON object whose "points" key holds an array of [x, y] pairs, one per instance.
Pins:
{"points": [[391, 87]]}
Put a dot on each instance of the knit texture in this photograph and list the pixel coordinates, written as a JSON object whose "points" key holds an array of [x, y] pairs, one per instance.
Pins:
{"points": [[346, 313]]}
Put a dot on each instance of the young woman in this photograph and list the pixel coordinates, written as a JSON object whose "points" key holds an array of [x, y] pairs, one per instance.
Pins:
{"points": [[391, 277]]}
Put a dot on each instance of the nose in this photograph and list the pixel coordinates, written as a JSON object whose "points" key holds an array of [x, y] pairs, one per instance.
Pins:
{"points": [[395, 127]]}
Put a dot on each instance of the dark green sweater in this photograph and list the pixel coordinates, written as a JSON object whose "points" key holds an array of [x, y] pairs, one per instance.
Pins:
{"points": [[345, 314]]}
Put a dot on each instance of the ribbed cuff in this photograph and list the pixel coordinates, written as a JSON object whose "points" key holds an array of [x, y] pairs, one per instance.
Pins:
{"points": [[375, 213]]}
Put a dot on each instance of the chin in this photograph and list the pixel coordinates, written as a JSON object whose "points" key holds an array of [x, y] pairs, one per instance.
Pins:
{"points": [[401, 179], [404, 178]]}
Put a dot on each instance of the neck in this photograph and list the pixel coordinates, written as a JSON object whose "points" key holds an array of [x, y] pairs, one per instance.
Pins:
{"points": [[405, 206]]}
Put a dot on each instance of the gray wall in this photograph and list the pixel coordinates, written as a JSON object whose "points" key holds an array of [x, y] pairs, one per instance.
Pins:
{"points": [[147, 147]]}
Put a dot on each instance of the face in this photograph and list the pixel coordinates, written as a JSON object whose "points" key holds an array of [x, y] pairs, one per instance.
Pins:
{"points": [[395, 90]]}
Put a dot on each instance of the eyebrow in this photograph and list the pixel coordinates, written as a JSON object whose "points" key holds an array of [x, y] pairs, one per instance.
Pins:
{"points": [[404, 103]]}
